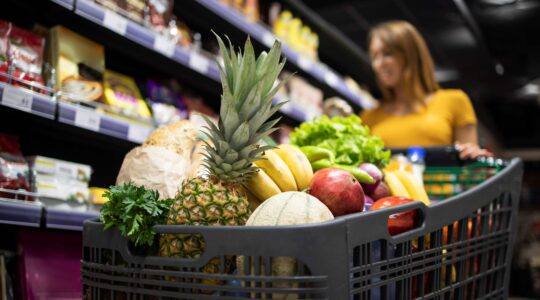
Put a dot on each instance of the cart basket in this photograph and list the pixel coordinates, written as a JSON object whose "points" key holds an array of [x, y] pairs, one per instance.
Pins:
{"points": [[461, 249]]}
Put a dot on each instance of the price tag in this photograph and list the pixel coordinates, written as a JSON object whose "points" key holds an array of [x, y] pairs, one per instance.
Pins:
{"points": [[138, 133], [164, 45], [87, 118], [331, 79], [115, 22], [17, 98], [304, 63], [198, 62], [268, 39]]}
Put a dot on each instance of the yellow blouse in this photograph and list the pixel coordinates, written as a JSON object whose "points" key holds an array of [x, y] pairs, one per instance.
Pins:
{"points": [[433, 125]]}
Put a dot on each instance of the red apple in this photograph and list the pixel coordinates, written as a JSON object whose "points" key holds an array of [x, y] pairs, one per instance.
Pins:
{"points": [[338, 190], [398, 222]]}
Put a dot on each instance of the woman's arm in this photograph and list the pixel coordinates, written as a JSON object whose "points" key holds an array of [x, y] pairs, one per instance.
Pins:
{"points": [[466, 139]]}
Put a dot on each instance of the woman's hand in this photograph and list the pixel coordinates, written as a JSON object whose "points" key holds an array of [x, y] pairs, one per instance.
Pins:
{"points": [[471, 151]]}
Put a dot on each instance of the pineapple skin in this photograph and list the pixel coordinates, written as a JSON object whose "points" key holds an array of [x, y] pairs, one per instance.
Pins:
{"points": [[202, 202]]}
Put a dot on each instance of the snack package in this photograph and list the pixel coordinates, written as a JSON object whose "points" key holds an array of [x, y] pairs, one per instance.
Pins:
{"points": [[79, 64], [25, 55], [61, 188], [121, 92], [14, 171], [167, 105], [159, 13], [5, 28], [133, 9], [60, 168]]}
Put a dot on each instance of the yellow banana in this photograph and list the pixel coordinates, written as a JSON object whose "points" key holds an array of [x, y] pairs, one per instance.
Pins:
{"points": [[298, 163], [277, 169], [262, 186], [395, 185], [414, 188]]}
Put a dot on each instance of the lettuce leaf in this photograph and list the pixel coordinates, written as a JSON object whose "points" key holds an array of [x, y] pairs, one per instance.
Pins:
{"points": [[346, 137]]}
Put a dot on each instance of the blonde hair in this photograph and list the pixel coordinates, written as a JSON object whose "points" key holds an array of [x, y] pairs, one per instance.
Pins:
{"points": [[403, 40]]}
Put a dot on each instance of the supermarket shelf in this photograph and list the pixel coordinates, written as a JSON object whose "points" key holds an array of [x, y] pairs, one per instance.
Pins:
{"points": [[27, 101], [267, 38], [20, 212], [65, 3], [66, 219], [97, 121], [194, 60]]}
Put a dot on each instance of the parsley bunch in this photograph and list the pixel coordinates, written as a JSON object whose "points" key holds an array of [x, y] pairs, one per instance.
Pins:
{"points": [[134, 210]]}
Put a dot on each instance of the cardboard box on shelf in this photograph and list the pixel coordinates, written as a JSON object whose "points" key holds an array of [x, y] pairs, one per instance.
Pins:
{"points": [[60, 168], [61, 188]]}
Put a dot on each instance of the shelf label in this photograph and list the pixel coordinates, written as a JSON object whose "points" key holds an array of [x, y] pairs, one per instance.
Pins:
{"points": [[115, 22], [164, 45], [198, 62], [268, 39], [87, 118], [304, 63], [331, 79], [15, 97], [138, 133]]}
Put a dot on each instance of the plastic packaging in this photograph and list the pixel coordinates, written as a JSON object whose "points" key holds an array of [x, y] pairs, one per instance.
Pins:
{"points": [[417, 156]]}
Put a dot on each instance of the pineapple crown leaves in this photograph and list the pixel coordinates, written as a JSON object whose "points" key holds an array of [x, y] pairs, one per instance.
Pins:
{"points": [[249, 87]]}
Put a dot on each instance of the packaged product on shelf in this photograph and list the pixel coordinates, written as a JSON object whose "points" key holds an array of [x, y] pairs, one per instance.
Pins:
{"points": [[336, 107], [167, 106], [122, 94], [159, 13], [251, 10], [60, 168], [61, 188], [78, 63], [24, 57], [14, 171], [4, 39], [196, 104], [96, 195], [132, 9], [306, 96], [360, 91]]}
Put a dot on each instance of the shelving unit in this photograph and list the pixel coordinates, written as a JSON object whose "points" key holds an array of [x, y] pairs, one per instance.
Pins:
{"points": [[20, 208], [82, 126], [27, 101], [323, 74]]}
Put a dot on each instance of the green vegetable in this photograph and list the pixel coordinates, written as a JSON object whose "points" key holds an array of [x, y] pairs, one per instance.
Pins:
{"points": [[314, 153], [321, 164], [134, 210], [347, 138], [360, 175]]}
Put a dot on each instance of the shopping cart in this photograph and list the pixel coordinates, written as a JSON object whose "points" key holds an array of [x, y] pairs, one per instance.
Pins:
{"points": [[461, 249]]}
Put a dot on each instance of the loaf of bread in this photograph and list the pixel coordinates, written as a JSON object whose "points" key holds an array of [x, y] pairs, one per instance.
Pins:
{"points": [[179, 137]]}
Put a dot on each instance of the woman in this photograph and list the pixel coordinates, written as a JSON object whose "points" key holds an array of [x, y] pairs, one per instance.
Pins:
{"points": [[414, 110]]}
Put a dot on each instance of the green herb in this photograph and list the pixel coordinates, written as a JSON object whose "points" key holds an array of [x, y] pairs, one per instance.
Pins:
{"points": [[134, 210], [346, 137]]}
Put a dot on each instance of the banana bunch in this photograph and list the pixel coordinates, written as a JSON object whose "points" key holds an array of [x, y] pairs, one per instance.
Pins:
{"points": [[403, 183], [282, 169]]}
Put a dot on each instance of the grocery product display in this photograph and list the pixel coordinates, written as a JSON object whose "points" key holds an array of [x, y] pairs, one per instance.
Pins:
{"points": [[223, 174]]}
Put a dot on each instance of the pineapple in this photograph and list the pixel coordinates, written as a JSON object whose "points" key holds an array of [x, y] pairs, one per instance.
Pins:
{"points": [[217, 197]]}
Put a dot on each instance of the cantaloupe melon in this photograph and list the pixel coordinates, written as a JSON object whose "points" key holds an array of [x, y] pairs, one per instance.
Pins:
{"points": [[289, 208]]}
